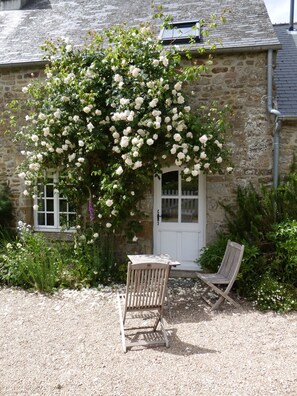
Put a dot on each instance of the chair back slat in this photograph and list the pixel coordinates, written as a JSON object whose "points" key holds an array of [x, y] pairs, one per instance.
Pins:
{"points": [[231, 261], [146, 285]]}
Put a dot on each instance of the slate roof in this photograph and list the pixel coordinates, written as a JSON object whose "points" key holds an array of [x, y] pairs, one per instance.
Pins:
{"points": [[286, 72], [22, 32]]}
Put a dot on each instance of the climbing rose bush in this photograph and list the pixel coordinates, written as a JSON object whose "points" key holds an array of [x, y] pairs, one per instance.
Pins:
{"points": [[108, 116]]}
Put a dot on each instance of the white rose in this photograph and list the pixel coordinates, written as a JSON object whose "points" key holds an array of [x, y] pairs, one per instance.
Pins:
{"points": [[177, 137], [203, 139], [90, 126], [124, 141], [138, 164], [22, 175], [128, 161], [153, 103], [119, 171], [124, 101], [139, 100], [150, 142], [109, 203], [219, 160], [57, 113], [180, 99], [87, 109], [178, 86]]}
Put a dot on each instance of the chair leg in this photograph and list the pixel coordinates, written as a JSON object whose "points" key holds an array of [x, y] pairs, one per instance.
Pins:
{"points": [[217, 303], [156, 323], [122, 330], [164, 333]]}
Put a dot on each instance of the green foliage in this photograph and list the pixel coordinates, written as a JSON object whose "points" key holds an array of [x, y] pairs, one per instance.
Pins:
{"points": [[109, 116], [212, 255], [265, 221], [30, 262], [270, 294], [33, 262], [284, 265], [6, 213], [253, 215]]}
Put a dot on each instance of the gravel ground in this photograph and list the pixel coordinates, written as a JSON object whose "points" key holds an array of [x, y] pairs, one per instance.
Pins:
{"points": [[69, 344]]}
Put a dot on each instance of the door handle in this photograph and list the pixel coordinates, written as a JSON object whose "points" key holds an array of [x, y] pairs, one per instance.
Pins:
{"points": [[158, 217]]}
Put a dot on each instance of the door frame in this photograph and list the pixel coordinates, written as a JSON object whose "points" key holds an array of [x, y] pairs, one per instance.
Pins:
{"points": [[201, 210]]}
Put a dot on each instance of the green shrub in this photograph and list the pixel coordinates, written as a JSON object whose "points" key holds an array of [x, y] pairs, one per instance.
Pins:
{"points": [[270, 294], [33, 262], [212, 255], [6, 208], [30, 262], [265, 221], [96, 252], [284, 265]]}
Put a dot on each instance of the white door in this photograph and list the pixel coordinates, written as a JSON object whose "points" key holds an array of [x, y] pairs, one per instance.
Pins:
{"points": [[179, 217]]}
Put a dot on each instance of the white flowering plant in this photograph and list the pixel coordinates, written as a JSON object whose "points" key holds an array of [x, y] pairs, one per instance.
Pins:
{"points": [[108, 116]]}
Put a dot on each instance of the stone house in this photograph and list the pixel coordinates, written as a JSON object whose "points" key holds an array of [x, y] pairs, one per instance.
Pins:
{"points": [[241, 75]]}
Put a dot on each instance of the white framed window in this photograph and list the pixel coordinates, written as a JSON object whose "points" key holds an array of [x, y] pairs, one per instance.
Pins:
{"points": [[54, 211]]}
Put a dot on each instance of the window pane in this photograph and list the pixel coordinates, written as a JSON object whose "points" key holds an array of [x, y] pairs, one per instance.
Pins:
{"points": [[49, 190], [40, 189], [50, 219], [189, 211], [190, 188], [63, 205], [50, 205], [169, 210], [41, 219], [72, 219], [170, 183], [41, 205]]}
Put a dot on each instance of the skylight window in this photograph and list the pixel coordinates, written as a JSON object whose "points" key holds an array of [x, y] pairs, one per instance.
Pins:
{"points": [[181, 33]]}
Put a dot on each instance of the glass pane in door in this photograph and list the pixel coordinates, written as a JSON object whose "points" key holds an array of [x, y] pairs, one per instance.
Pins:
{"points": [[189, 210], [190, 188], [170, 183], [169, 210]]}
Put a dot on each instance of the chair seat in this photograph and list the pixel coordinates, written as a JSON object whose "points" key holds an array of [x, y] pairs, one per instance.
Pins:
{"points": [[214, 278]]}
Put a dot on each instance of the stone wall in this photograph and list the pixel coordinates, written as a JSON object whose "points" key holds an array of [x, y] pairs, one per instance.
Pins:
{"points": [[11, 82], [239, 80], [236, 79], [288, 147]]}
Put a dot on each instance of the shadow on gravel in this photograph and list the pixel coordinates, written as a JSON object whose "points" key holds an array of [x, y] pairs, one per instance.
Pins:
{"points": [[181, 348]]}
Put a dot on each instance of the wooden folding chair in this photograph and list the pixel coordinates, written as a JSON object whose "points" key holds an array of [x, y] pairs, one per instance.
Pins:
{"points": [[226, 275], [144, 300]]}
